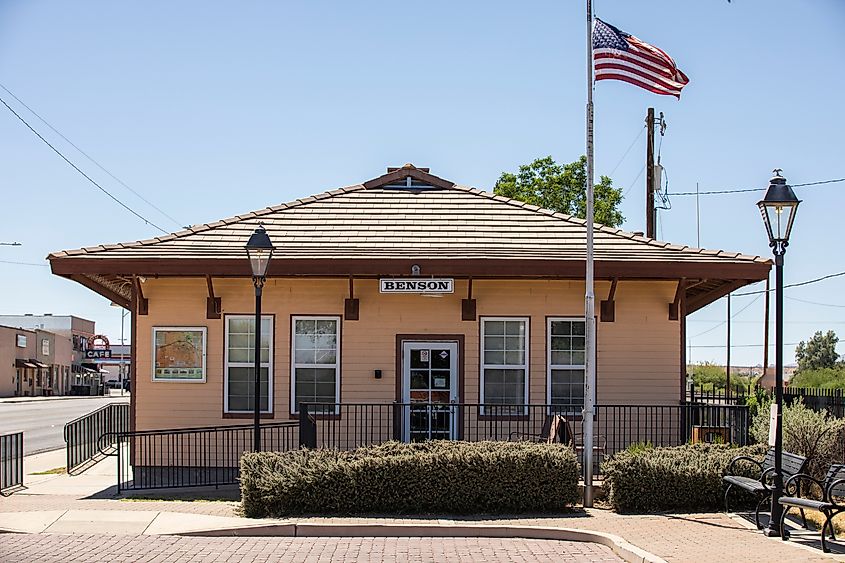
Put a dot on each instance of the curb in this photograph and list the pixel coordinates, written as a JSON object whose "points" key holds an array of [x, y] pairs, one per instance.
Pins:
{"points": [[618, 545], [18, 400]]}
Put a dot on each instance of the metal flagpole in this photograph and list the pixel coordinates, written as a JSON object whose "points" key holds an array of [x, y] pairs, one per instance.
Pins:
{"points": [[589, 295]]}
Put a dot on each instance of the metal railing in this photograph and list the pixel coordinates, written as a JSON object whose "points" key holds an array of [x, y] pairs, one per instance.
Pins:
{"points": [[193, 457], [831, 400], [83, 435], [11, 462], [350, 425], [737, 396]]}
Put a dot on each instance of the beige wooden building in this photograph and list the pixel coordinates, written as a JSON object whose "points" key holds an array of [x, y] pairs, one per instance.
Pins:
{"points": [[406, 288]]}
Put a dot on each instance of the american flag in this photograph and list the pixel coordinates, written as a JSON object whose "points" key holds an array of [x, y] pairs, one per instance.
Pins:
{"points": [[621, 56]]}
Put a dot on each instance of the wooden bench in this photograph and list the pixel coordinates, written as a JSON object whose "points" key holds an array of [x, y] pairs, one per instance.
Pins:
{"points": [[760, 486], [832, 487]]}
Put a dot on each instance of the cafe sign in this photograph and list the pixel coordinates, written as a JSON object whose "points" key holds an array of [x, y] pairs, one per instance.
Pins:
{"points": [[417, 285], [97, 354]]}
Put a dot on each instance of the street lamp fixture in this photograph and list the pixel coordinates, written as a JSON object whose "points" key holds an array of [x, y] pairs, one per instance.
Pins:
{"points": [[259, 249], [778, 208]]}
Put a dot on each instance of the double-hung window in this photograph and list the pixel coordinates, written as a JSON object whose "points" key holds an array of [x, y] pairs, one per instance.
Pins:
{"points": [[239, 394], [315, 368], [565, 347], [504, 364]]}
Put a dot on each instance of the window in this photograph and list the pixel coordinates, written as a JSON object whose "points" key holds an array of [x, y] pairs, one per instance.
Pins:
{"points": [[240, 364], [565, 358], [315, 365], [504, 363], [178, 354]]}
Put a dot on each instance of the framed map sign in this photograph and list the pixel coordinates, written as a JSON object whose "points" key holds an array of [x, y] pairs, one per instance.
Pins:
{"points": [[179, 354]]}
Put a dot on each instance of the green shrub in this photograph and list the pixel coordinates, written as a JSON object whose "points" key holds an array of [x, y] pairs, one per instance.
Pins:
{"points": [[816, 435], [638, 447], [428, 477], [823, 378], [681, 478]]}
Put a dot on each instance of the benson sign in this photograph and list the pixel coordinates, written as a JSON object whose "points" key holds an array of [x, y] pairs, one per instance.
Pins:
{"points": [[417, 285]]}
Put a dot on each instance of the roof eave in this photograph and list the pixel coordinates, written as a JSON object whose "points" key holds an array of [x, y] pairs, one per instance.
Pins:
{"points": [[750, 271]]}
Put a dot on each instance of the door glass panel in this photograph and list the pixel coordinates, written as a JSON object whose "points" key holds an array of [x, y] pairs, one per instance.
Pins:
{"points": [[419, 379], [419, 396], [420, 358], [430, 379], [440, 359], [440, 379]]}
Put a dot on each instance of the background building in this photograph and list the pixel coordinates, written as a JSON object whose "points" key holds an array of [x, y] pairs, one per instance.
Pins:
{"points": [[59, 344]]}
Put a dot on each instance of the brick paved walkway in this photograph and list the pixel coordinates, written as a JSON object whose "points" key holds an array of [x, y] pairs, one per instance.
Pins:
{"points": [[149, 549], [674, 537]]}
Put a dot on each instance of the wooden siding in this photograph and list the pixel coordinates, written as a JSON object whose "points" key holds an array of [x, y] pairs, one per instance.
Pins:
{"points": [[638, 355]]}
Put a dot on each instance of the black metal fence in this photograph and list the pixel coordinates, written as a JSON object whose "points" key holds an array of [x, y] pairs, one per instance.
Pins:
{"points": [[91, 436], [711, 396], [617, 427], [11, 462], [831, 400], [193, 457]]}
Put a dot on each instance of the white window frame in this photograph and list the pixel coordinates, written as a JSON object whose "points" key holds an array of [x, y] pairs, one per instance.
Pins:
{"points": [[525, 365], [294, 407], [227, 365], [550, 366]]}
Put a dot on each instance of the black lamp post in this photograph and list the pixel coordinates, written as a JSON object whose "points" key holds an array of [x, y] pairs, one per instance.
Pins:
{"points": [[260, 250], [778, 208]]}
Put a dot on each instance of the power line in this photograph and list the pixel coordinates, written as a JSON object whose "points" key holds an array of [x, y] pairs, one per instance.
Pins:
{"points": [[634, 142], [711, 329], [761, 322], [798, 284], [75, 167], [89, 157], [814, 303], [740, 345], [628, 189], [746, 190], [22, 263]]}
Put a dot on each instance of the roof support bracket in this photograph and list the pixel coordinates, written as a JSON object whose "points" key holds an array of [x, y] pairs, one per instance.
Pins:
{"points": [[143, 302], [675, 306], [351, 307], [608, 306], [468, 306], [213, 305]]}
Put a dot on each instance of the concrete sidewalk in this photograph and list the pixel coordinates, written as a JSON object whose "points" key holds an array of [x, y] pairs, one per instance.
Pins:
{"points": [[88, 504], [113, 393]]}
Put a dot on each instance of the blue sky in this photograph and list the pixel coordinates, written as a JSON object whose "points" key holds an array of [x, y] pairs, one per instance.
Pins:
{"points": [[212, 109]]}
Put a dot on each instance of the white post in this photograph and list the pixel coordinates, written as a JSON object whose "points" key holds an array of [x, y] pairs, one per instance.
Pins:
{"points": [[589, 295], [122, 343]]}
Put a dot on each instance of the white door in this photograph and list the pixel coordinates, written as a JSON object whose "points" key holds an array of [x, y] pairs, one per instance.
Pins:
{"points": [[429, 390]]}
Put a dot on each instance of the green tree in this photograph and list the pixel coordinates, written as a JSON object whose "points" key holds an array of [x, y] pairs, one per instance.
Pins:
{"points": [[710, 377], [562, 188], [817, 353]]}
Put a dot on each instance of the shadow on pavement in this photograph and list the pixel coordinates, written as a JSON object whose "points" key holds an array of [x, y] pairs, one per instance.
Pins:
{"points": [[798, 534]]}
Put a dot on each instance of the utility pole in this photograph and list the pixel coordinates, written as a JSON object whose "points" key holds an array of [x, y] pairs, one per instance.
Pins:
{"points": [[649, 176], [766, 331], [728, 361]]}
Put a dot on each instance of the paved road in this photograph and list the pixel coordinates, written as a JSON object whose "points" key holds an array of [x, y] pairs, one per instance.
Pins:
{"points": [[43, 421], [62, 548]]}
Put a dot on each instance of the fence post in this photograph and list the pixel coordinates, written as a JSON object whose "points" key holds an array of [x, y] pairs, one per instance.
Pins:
{"points": [[398, 415], [307, 428]]}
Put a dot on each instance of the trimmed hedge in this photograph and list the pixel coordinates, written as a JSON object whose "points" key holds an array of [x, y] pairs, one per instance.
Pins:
{"points": [[445, 477], [678, 478]]}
